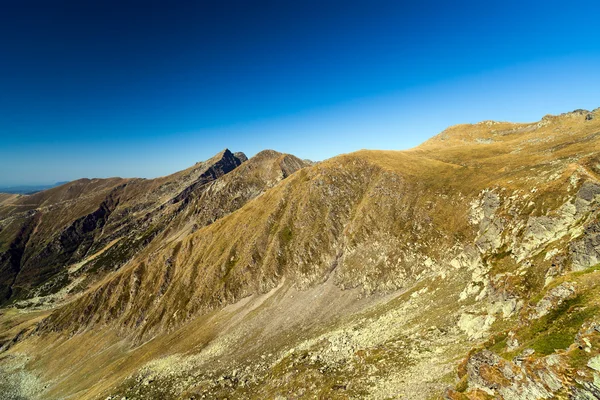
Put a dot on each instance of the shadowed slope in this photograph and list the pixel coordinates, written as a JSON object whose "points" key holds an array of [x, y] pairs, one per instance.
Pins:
{"points": [[42, 234]]}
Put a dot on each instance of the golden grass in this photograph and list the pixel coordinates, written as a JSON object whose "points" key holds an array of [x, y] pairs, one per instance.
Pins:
{"points": [[353, 218]]}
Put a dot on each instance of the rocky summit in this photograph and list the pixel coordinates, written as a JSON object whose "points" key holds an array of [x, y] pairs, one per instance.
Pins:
{"points": [[464, 268]]}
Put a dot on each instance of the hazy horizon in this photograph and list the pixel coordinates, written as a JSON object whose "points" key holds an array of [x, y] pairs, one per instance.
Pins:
{"points": [[136, 89], [63, 181]]}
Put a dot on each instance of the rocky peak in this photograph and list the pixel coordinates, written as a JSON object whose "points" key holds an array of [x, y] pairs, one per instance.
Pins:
{"points": [[240, 156], [267, 153], [575, 114]]}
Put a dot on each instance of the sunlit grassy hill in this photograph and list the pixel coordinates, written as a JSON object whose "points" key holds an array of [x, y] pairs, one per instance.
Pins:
{"points": [[462, 268]]}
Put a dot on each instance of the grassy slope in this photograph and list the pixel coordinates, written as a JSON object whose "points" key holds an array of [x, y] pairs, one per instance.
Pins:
{"points": [[377, 221]]}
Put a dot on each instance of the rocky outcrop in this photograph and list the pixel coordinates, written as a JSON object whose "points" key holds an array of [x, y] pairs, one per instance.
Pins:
{"points": [[586, 251], [226, 163]]}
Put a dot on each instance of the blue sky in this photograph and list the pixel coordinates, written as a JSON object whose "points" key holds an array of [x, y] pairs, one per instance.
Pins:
{"points": [[132, 88]]}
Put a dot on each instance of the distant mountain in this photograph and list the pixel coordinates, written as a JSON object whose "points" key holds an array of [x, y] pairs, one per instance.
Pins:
{"points": [[464, 268], [28, 189]]}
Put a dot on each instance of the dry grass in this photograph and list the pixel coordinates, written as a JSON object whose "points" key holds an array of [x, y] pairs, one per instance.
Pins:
{"points": [[368, 222]]}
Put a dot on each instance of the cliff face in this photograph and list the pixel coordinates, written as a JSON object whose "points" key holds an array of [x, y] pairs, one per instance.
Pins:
{"points": [[463, 268], [40, 232]]}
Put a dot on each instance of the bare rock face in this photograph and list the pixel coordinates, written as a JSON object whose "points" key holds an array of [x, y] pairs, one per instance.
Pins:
{"points": [[492, 375], [463, 268], [240, 156], [586, 251], [476, 326]]}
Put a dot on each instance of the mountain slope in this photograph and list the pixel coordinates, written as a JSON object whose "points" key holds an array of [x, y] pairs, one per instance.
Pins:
{"points": [[43, 233], [375, 274], [327, 218]]}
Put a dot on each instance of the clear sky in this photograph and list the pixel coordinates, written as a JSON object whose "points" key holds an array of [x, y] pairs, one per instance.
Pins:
{"points": [[146, 88]]}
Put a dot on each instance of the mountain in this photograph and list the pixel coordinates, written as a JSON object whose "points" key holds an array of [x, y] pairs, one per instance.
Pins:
{"points": [[464, 268], [67, 237]]}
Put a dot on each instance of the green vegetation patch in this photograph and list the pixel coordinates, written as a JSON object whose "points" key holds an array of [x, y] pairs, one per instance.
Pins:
{"points": [[497, 344], [285, 235], [557, 330]]}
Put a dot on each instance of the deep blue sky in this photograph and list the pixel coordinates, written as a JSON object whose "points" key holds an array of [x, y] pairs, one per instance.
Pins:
{"points": [[124, 88]]}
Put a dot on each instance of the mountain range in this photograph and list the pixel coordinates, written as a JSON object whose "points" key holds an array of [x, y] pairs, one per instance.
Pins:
{"points": [[28, 189], [464, 268]]}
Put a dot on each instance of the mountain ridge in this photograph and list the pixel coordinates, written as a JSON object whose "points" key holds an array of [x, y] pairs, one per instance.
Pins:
{"points": [[424, 273], [135, 201]]}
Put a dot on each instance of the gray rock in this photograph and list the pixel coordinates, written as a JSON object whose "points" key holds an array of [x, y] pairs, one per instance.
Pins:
{"points": [[585, 252], [240, 156], [588, 191]]}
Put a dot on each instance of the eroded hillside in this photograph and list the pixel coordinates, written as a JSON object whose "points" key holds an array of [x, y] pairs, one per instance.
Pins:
{"points": [[462, 268], [64, 239]]}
